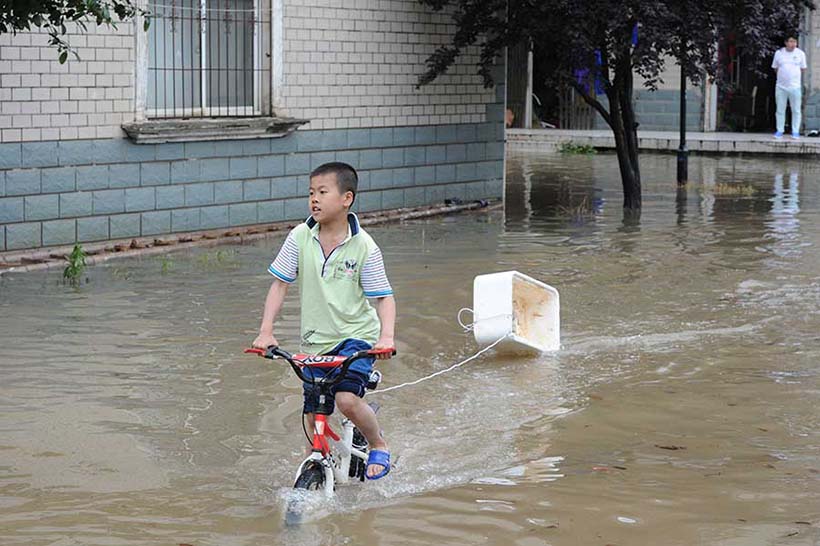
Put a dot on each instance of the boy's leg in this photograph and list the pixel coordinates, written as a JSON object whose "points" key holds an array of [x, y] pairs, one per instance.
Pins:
{"points": [[363, 416]]}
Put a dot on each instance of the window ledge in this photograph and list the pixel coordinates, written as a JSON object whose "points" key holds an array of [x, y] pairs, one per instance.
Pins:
{"points": [[155, 131]]}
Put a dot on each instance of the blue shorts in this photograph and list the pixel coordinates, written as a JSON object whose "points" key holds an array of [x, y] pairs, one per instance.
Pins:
{"points": [[353, 381]]}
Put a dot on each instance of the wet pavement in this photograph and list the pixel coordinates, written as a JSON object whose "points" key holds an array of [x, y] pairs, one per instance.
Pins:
{"points": [[682, 408]]}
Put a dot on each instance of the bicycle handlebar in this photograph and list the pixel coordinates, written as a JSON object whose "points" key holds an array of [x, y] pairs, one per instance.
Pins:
{"points": [[299, 361]]}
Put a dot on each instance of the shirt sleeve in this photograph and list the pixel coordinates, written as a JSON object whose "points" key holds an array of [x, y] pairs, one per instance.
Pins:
{"points": [[286, 265], [775, 64], [803, 64], [374, 277]]}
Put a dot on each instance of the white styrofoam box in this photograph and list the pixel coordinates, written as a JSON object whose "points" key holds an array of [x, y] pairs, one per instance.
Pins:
{"points": [[513, 303]]}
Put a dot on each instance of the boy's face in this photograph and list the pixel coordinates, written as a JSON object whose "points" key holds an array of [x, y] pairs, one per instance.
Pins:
{"points": [[326, 202], [791, 43]]}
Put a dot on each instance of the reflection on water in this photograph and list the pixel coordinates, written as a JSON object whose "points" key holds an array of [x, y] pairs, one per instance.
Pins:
{"points": [[680, 410]]}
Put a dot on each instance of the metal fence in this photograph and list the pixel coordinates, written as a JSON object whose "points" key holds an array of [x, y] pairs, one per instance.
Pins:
{"points": [[208, 58]]}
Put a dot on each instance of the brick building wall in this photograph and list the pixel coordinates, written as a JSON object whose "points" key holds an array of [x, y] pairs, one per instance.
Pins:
{"points": [[67, 174]]}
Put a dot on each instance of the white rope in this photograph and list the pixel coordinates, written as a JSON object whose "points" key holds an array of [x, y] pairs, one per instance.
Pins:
{"points": [[451, 368]]}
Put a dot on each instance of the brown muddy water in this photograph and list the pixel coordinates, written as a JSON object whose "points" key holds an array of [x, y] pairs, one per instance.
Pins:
{"points": [[682, 408]]}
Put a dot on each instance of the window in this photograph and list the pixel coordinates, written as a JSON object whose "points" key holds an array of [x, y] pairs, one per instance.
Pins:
{"points": [[208, 58]]}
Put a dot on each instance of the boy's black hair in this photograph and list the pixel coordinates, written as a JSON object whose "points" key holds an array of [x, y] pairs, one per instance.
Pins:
{"points": [[790, 36], [346, 176]]}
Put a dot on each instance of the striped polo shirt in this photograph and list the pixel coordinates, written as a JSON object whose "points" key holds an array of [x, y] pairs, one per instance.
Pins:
{"points": [[334, 289]]}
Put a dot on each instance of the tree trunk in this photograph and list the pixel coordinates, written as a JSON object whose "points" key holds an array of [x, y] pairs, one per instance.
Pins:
{"points": [[626, 132], [621, 119]]}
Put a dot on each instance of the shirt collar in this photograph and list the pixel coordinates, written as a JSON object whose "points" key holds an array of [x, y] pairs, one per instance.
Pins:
{"points": [[352, 225]]}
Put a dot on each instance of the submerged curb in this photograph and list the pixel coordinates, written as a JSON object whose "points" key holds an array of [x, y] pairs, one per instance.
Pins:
{"points": [[96, 253]]}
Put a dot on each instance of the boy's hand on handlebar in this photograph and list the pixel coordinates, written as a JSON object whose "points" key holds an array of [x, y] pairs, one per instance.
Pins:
{"points": [[263, 341], [382, 344]]}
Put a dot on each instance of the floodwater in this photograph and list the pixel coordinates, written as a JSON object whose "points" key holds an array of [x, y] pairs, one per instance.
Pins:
{"points": [[681, 410]]}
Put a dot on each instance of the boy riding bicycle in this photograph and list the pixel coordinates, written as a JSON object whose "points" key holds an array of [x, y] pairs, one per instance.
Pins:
{"points": [[340, 271]]}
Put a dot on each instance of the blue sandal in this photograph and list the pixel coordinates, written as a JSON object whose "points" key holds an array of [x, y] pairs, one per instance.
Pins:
{"points": [[379, 457]]}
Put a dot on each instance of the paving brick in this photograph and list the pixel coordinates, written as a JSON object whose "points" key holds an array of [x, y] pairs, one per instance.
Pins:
{"points": [[476, 151], [283, 145], [404, 136], [381, 137], [92, 229], [369, 201], [259, 146], [42, 207], [270, 211], [256, 190], [392, 199], [59, 232], [295, 209], [415, 156], [201, 149], [242, 167], [351, 157], [11, 210], [11, 156], [414, 197], [185, 171], [40, 154], [271, 165], [213, 217], [156, 222], [370, 159], [93, 177], [404, 177], [170, 197], [185, 220], [155, 174], [297, 164], [108, 201], [424, 175], [445, 173], [126, 175], [23, 182], [425, 135], [199, 194], [456, 153], [393, 157], [228, 192], [25, 235], [358, 138], [56, 180], [140, 199], [284, 187], [77, 152], [138, 153], [215, 169], [242, 214], [122, 226], [320, 158], [170, 151], [75, 204], [446, 134], [465, 172], [435, 154], [466, 133]]}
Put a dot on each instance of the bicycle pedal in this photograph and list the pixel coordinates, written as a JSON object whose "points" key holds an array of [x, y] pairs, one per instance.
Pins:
{"points": [[373, 380]]}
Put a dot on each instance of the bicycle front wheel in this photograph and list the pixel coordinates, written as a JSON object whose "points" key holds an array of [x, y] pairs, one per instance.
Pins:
{"points": [[312, 478]]}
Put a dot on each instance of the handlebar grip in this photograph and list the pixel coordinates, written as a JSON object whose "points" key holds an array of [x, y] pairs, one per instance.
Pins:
{"points": [[375, 352], [260, 352]]}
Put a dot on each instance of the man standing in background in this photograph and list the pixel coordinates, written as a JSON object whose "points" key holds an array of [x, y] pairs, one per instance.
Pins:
{"points": [[789, 64]]}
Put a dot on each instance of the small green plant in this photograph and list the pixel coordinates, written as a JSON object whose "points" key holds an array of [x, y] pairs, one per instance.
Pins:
{"points": [[570, 147], [218, 258], [578, 210], [738, 190], [76, 265], [166, 264]]}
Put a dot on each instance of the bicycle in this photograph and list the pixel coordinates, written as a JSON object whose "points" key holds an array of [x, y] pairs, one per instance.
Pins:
{"points": [[326, 467]]}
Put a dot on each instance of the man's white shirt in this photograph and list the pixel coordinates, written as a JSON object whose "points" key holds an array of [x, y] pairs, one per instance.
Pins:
{"points": [[789, 65]]}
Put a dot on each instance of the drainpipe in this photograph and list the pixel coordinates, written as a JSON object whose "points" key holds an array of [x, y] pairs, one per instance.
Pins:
{"points": [[683, 153], [528, 100]]}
